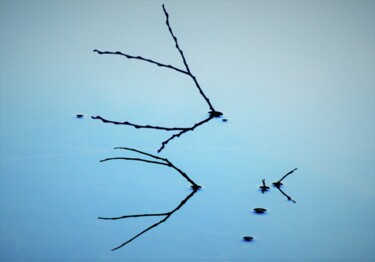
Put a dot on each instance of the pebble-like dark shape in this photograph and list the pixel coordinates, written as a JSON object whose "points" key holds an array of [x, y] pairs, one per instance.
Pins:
{"points": [[248, 238], [260, 210], [79, 116], [215, 113]]}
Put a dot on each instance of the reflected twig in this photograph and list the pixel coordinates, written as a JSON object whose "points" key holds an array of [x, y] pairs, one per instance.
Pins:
{"points": [[167, 216], [278, 185], [164, 162], [288, 197], [212, 114]]}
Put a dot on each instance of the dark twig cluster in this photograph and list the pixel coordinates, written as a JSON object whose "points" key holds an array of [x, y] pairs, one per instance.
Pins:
{"points": [[163, 161], [186, 71], [278, 184], [166, 215]]}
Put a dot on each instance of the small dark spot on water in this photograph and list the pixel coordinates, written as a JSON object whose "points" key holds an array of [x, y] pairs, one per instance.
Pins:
{"points": [[225, 120], [215, 113], [248, 238], [260, 210], [79, 116]]}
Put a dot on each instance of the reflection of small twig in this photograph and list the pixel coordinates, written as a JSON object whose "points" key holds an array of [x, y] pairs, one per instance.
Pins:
{"points": [[167, 215], [213, 113], [165, 162], [288, 197]]}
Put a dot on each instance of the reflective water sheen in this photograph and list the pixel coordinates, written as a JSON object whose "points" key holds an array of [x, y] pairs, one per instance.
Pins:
{"points": [[294, 81]]}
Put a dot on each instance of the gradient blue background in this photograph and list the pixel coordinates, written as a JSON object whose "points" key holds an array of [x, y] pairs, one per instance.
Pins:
{"points": [[294, 78]]}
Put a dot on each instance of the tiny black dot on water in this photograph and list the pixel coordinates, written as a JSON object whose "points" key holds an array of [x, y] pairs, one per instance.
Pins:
{"points": [[224, 120], [79, 116], [248, 238]]}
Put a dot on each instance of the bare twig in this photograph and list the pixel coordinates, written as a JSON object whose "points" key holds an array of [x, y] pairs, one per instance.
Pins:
{"points": [[264, 188], [213, 113], [288, 197], [140, 58], [183, 132], [139, 126], [167, 216], [278, 183], [184, 60], [165, 162]]}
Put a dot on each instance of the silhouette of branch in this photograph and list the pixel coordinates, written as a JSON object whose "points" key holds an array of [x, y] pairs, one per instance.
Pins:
{"points": [[140, 58], [139, 126], [167, 216], [163, 144], [278, 183], [282, 192], [184, 60], [165, 162], [213, 113]]}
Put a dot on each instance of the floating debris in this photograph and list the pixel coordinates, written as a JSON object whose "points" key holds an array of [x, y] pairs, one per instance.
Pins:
{"points": [[225, 120], [260, 210], [248, 238], [214, 113], [264, 188], [79, 116]]}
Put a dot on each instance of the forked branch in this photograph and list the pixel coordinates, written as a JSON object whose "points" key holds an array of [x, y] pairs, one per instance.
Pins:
{"points": [[212, 114], [167, 216], [164, 162]]}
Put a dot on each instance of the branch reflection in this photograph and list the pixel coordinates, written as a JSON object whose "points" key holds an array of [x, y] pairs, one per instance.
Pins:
{"points": [[166, 215]]}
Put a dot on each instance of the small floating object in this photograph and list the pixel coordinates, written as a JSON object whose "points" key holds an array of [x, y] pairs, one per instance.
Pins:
{"points": [[260, 210], [225, 120], [79, 116], [264, 188], [248, 238], [215, 113], [195, 187]]}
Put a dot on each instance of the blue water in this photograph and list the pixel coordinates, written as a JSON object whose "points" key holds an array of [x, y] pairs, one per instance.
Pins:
{"points": [[294, 79]]}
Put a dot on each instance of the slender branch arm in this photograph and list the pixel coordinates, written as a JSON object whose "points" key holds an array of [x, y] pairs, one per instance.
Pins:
{"points": [[184, 131], [287, 174], [140, 58], [288, 197], [184, 60], [139, 126], [168, 215], [141, 215], [165, 162], [134, 159], [143, 153]]}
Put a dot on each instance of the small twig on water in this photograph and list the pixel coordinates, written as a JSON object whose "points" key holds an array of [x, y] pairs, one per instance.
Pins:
{"points": [[212, 114], [278, 183], [264, 188], [288, 197], [164, 162], [167, 216]]}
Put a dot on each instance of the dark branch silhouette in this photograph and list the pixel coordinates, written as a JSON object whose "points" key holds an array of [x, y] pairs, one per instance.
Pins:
{"points": [[183, 132], [282, 192], [212, 114], [164, 162], [167, 216], [278, 183], [264, 188]]}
